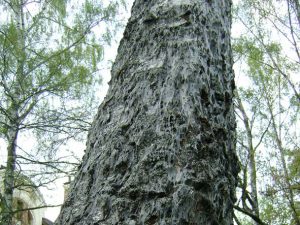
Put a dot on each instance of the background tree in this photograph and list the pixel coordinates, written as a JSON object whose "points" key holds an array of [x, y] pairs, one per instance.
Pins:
{"points": [[268, 110], [48, 58]]}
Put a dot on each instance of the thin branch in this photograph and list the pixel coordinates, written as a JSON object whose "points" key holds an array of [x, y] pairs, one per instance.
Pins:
{"points": [[294, 43], [236, 219], [38, 207], [263, 135], [48, 162], [254, 217]]}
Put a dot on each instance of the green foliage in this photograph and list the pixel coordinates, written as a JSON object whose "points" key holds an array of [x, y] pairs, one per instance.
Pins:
{"points": [[48, 54], [294, 168], [275, 211]]}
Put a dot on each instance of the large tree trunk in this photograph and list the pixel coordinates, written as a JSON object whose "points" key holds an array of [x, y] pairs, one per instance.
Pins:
{"points": [[162, 147]]}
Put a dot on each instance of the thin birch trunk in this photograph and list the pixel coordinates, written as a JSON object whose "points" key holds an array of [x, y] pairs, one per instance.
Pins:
{"points": [[14, 117], [251, 156]]}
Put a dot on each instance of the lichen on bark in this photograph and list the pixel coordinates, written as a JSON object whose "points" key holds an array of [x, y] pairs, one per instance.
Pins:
{"points": [[161, 149]]}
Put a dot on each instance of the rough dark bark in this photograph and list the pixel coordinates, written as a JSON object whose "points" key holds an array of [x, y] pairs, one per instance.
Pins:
{"points": [[162, 147]]}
